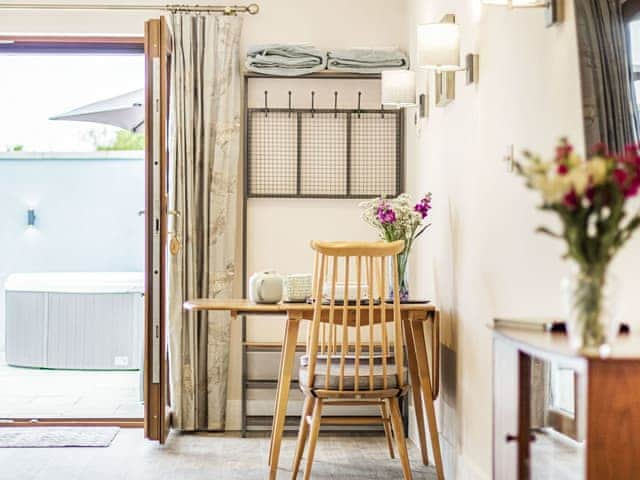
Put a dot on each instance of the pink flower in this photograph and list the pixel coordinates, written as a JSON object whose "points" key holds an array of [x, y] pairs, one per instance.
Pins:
{"points": [[385, 214], [562, 169], [424, 206]]}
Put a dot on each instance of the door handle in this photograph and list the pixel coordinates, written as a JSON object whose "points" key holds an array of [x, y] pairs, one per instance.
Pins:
{"points": [[515, 438], [174, 242]]}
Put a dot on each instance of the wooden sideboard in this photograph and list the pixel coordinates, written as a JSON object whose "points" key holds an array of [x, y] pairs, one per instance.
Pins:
{"points": [[607, 409]]}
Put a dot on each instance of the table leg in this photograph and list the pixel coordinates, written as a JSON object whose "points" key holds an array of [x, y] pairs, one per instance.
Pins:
{"points": [[414, 378], [417, 330], [284, 385]]}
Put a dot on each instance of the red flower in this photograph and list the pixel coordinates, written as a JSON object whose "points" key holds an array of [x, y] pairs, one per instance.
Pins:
{"points": [[600, 149], [571, 199], [633, 189], [562, 169], [563, 151], [620, 176]]}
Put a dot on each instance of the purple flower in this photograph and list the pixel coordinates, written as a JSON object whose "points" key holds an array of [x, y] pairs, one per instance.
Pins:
{"points": [[424, 206], [385, 214]]}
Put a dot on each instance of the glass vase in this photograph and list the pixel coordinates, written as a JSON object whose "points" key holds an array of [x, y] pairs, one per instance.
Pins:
{"points": [[590, 298], [403, 276]]}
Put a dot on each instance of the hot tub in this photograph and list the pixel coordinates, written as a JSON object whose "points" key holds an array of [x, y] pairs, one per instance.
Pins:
{"points": [[85, 321]]}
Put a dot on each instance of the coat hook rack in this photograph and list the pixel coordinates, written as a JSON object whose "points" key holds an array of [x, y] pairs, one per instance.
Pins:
{"points": [[313, 97], [289, 103], [359, 98], [266, 104], [335, 104]]}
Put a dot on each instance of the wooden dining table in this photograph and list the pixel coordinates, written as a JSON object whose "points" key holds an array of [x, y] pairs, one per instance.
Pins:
{"points": [[423, 374]]}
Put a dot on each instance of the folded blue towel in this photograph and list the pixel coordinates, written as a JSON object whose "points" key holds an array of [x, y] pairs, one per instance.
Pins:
{"points": [[364, 60], [288, 60]]}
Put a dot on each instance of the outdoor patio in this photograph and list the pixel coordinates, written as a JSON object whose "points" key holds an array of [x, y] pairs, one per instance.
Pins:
{"points": [[38, 393]]}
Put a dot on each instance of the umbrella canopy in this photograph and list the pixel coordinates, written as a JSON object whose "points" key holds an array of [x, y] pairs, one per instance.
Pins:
{"points": [[124, 111]]}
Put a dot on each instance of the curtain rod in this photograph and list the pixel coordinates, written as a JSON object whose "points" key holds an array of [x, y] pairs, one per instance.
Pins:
{"points": [[251, 9]]}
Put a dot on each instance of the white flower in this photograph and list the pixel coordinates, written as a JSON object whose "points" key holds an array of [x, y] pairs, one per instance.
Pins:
{"points": [[553, 189], [597, 169], [592, 230], [579, 178]]}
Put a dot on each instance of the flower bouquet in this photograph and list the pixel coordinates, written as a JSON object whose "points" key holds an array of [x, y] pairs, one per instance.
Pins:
{"points": [[398, 219], [591, 198]]}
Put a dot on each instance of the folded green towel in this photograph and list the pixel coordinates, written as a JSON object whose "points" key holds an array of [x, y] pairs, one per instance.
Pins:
{"points": [[364, 60], [289, 60]]}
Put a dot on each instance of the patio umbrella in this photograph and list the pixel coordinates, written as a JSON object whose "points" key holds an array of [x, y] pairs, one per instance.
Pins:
{"points": [[124, 111]]}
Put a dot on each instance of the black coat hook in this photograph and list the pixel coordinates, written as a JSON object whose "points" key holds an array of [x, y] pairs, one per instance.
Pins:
{"points": [[266, 104], [289, 103], [359, 98], [313, 98], [335, 104], [382, 110]]}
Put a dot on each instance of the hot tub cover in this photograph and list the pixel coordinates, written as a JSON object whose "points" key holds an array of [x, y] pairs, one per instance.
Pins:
{"points": [[76, 282]]}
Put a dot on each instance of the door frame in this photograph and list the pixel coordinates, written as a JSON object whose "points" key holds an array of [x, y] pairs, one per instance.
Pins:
{"points": [[157, 412], [71, 44]]}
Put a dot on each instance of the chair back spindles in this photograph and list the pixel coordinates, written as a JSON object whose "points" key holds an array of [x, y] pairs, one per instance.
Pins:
{"points": [[349, 336]]}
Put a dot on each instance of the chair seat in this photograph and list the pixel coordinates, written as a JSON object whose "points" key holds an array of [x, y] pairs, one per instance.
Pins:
{"points": [[349, 380]]}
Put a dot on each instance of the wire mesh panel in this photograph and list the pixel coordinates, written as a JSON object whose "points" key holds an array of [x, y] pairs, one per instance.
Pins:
{"points": [[323, 153], [374, 146], [272, 148]]}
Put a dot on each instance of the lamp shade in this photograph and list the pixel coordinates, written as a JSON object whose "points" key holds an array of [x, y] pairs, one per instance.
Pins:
{"points": [[398, 88], [439, 46]]}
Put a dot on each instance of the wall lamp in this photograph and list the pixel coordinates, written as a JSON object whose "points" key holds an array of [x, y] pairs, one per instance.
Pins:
{"points": [[399, 90], [439, 50], [553, 8], [31, 217]]}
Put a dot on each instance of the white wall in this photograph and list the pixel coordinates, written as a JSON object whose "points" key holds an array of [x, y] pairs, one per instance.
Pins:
{"points": [[280, 230], [482, 258], [86, 215]]}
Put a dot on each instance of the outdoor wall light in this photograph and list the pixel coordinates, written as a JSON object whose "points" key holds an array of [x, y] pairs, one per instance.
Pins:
{"points": [[553, 10], [439, 50], [31, 217], [398, 89]]}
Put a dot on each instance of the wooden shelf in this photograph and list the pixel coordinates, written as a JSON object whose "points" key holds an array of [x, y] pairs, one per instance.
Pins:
{"points": [[324, 74]]}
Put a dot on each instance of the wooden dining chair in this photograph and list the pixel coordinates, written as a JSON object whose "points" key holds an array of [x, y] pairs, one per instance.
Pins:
{"points": [[354, 354]]}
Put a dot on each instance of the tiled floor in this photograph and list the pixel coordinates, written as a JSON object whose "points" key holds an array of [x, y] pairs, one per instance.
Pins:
{"points": [[36, 393], [202, 457]]}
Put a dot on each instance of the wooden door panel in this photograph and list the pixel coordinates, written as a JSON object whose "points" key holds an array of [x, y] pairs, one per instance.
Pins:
{"points": [[156, 374]]}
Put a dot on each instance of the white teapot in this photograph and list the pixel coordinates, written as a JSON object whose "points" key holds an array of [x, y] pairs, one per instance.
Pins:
{"points": [[265, 287]]}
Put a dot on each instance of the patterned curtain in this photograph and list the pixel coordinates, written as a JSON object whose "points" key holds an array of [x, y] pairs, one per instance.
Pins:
{"points": [[204, 158], [609, 107]]}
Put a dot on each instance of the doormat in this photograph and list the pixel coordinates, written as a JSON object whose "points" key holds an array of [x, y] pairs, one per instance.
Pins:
{"points": [[53, 437]]}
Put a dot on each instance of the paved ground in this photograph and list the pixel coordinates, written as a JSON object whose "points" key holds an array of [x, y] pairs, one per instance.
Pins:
{"points": [[27, 393]]}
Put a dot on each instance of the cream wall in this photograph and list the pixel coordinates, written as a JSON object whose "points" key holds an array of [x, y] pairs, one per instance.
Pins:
{"points": [[481, 259], [279, 230]]}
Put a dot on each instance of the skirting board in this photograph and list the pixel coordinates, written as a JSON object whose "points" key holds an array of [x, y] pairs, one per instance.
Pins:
{"points": [[464, 468]]}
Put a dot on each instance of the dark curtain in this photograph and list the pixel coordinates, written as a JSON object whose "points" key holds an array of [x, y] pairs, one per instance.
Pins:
{"points": [[609, 104]]}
